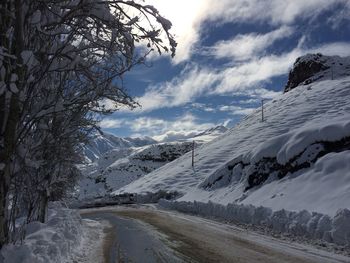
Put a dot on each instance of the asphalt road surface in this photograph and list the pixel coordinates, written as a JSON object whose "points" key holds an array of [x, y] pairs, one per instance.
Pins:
{"points": [[146, 234]]}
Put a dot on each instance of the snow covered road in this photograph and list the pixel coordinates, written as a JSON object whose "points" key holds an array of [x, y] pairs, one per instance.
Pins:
{"points": [[174, 237]]}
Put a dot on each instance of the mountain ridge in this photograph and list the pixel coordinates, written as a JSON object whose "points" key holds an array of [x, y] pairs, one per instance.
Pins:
{"points": [[240, 165]]}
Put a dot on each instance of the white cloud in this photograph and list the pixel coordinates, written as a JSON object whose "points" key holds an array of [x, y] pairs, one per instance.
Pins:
{"points": [[331, 49], [143, 124], [262, 93], [249, 75], [171, 136], [194, 81], [164, 130], [246, 78], [248, 101], [274, 12], [236, 110], [188, 16], [245, 46], [111, 123], [191, 83], [202, 106], [185, 125], [343, 15]]}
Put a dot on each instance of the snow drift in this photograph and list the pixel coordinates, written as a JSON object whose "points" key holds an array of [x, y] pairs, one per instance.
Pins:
{"points": [[55, 241]]}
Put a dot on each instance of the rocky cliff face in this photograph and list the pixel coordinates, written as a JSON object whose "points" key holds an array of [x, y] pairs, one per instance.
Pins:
{"points": [[312, 67]]}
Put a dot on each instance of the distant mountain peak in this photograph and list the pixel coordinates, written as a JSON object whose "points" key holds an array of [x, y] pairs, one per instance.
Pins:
{"points": [[99, 144]]}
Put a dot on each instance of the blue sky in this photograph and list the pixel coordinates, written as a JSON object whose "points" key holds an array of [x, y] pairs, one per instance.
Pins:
{"points": [[230, 55]]}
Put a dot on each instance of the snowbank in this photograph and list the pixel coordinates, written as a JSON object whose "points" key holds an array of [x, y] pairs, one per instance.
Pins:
{"points": [[286, 146], [54, 241], [311, 225]]}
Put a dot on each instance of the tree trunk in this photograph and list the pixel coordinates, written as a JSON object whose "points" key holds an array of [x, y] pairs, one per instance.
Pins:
{"points": [[10, 112], [42, 214], [3, 208]]}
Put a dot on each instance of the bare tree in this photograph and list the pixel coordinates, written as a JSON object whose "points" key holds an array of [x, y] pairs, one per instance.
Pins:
{"points": [[60, 60]]}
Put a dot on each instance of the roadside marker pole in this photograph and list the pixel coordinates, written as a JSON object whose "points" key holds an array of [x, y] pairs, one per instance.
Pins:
{"points": [[332, 73], [262, 110], [193, 154]]}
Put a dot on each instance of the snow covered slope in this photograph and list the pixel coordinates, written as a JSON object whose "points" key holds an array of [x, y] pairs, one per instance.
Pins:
{"points": [[209, 135], [102, 143], [120, 167], [298, 158]]}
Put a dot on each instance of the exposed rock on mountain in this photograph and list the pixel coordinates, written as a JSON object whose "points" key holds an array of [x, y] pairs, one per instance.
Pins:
{"points": [[312, 67]]}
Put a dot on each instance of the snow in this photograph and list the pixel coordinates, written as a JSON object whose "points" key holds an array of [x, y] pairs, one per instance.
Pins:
{"points": [[102, 143], [323, 189], [296, 124], [121, 166], [117, 162], [290, 144], [64, 238], [302, 223]]}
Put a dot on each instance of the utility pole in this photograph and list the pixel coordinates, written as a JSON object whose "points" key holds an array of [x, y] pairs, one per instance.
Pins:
{"points": [[332, 73], [262, 110], [193, 154]]}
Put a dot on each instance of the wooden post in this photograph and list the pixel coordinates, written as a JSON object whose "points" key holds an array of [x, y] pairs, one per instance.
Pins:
{"points": [[332, 73], [193, 154], [262, 110]]}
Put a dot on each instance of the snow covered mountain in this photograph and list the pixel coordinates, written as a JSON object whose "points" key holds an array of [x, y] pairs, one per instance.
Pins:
{"points": [[114, 162], [298, 158], [102, 143], [121, 166]]}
